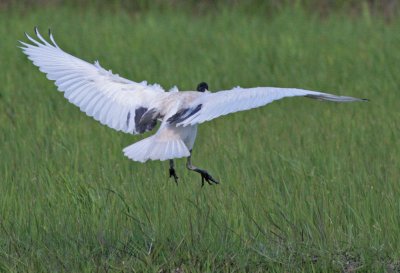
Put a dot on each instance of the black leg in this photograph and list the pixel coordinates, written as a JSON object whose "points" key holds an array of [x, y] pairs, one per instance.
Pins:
{"points": [[172, 172], [205, 176]]}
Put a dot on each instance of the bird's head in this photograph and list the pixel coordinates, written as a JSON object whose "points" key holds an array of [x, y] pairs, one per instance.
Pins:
{"points": [[201, 87]]}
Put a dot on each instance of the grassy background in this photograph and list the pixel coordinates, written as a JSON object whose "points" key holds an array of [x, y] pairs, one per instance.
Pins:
{"points": [[305, 186], [387, 8]]}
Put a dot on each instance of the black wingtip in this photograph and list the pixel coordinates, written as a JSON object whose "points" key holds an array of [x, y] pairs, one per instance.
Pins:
{"points": [[365, 100], [36, 30], [49, 32]]}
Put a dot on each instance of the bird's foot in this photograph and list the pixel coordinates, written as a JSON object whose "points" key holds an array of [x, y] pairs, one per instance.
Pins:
{"points": [[172, 173], [205, 176]]}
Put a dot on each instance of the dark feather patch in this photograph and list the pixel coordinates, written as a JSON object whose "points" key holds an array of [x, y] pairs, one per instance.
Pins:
{"points": [[139, 113], [183, 114], [128, 118], [145, 120]]}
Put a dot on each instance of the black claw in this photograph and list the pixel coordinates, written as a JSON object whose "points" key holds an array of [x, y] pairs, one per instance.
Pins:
{"points": [[208, 178], [172, 173]]}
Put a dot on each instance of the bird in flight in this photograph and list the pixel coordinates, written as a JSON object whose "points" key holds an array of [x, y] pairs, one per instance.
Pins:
{"points": [[136, 108]]}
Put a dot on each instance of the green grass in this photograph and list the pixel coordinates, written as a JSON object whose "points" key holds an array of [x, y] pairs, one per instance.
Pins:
{"points": [[305, 185]]}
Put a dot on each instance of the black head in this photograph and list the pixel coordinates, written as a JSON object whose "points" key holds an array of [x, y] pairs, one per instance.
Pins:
{"points": [[201, 87]]}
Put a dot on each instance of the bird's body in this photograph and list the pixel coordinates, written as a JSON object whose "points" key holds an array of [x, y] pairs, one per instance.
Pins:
{"points": [[136, 108], [170, 141]]}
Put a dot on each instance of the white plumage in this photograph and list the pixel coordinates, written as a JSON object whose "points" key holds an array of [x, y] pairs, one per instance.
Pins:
{"points": [[135, 108]]}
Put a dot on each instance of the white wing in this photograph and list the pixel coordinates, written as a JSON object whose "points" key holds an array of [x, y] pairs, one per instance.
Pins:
{"points": [[213, 105], [119, 103]]}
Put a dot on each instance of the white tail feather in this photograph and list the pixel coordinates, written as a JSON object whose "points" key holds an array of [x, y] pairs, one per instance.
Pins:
{"points": [[156, 148]]}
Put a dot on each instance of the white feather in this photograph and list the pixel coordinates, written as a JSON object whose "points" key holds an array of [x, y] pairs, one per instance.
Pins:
{"points": [[95, 90], [240, 99], [153, 148]]}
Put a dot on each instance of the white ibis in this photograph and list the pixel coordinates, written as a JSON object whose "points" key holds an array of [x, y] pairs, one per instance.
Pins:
{"points": [[135, 108]]}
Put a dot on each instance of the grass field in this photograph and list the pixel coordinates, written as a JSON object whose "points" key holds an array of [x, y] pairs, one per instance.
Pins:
{"points": [[306, 186]]}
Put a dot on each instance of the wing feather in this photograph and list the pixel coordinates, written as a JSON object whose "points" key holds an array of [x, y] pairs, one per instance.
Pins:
{"points": [[99, 93], [240, 99]]}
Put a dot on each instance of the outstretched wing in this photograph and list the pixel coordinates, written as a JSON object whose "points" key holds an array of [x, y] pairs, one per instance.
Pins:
{"points": [[213, 105], [119, 103]]}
